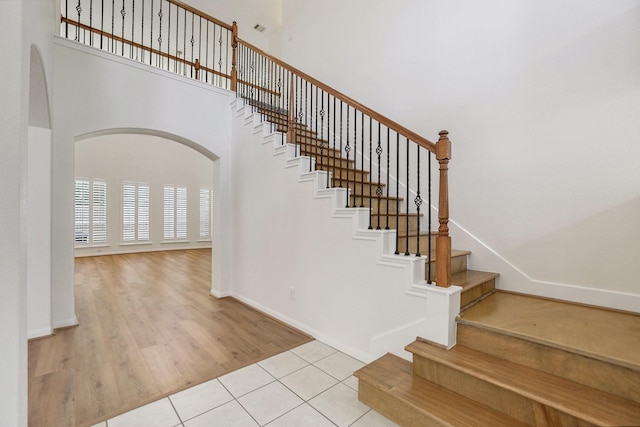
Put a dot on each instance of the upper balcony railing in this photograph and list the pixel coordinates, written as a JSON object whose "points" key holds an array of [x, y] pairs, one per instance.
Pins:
{"points": [[167, 34], [384, 165]]}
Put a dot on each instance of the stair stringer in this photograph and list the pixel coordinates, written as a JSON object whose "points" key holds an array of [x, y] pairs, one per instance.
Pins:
{"points": [[432, 309]]}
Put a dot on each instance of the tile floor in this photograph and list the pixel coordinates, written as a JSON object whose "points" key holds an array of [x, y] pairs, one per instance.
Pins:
{"points": [[310, 385]]}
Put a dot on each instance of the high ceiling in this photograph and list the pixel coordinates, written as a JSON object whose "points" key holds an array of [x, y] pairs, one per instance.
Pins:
{"points": [[247, 13]]}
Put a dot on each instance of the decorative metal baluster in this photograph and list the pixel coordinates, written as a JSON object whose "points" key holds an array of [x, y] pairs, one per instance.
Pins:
{"points": [[169, 39], [322, 114], [214, 56], [379, 187], [142, 33], [113, 17], [333, 170], [429, 249], [133, 23], [151, 36], [388, 182], [192, 40], [101, 23], [220, 52], [340, 140], [398, 191], [79, 10], [406, 251], [315, 139], [159, 57], [91, 23], [418, 199], [347, 149], [370, 169], [66, 15], [123, 13], [361, 162]]}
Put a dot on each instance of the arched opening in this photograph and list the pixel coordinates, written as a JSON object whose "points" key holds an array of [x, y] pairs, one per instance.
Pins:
{"points": [[167, 169], [39, 158]]}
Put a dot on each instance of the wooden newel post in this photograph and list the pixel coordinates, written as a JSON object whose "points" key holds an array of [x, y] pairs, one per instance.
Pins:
{"points": [[234, 45], [443, 241], [291, 117]]}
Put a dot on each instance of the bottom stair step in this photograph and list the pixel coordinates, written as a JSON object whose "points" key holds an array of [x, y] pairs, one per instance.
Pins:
{"points": [[389, 386], [532, 396]]}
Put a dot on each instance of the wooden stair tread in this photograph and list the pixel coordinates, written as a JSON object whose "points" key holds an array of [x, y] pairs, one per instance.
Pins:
{"points": [[602, 334], [580, 401], [470, 278], [431, 404]]}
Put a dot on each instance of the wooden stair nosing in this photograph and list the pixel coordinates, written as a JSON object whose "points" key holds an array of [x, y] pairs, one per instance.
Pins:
{"points": [[470, 278], [579, 401], [388, 386], [554, 359]]}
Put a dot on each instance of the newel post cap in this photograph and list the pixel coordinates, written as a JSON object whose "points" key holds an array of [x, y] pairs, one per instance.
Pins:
{"points": [[443, 146]]}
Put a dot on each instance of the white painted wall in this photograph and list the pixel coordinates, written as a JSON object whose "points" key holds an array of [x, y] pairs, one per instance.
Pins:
{"points": [[541, 100], [96, 94], [13, 127], [155, 161], [38, 196]]}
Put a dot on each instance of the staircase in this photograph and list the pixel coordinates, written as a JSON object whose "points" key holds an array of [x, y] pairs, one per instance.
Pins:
{"points": [[519, 360], [476, 285]]}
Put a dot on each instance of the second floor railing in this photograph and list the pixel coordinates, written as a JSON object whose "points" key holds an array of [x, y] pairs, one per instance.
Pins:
{"points": [[383, 165], [167, 34]]}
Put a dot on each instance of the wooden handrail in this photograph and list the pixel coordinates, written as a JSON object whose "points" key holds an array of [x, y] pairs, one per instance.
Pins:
{"points": [[201, 14], [396, 127], [196, 64]]}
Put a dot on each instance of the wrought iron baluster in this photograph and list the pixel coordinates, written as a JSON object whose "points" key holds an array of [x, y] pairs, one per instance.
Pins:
{"points": [[66, 15], [398, 191], [347, 149], [169, 39], [159, 57], [406, 252], [340, 140], [388, 182], [418, 199], [79, 10], [123, 13], [361, 161], [199, 43], [220, 53], [113, 17], [192, 41], [333, 170], [379, 188], [133, 22], [142, 33], [370, 169], [91, 23], [322, 114], [151, 35], [429, 249], [101, 23]]}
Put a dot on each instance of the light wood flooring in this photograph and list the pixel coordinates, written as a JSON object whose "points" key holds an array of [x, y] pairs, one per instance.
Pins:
{"points": [[148, 328]]}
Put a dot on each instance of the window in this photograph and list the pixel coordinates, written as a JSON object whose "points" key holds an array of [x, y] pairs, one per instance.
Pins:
{"points": [[90, 211], [135, 212], [206, 212], [175, 212]]}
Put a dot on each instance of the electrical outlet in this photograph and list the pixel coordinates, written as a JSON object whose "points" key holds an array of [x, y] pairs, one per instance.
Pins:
{"points": [[292, 293]]}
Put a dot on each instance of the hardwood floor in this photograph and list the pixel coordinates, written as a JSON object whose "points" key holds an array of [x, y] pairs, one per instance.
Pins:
{"points": [[148, 328]]}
